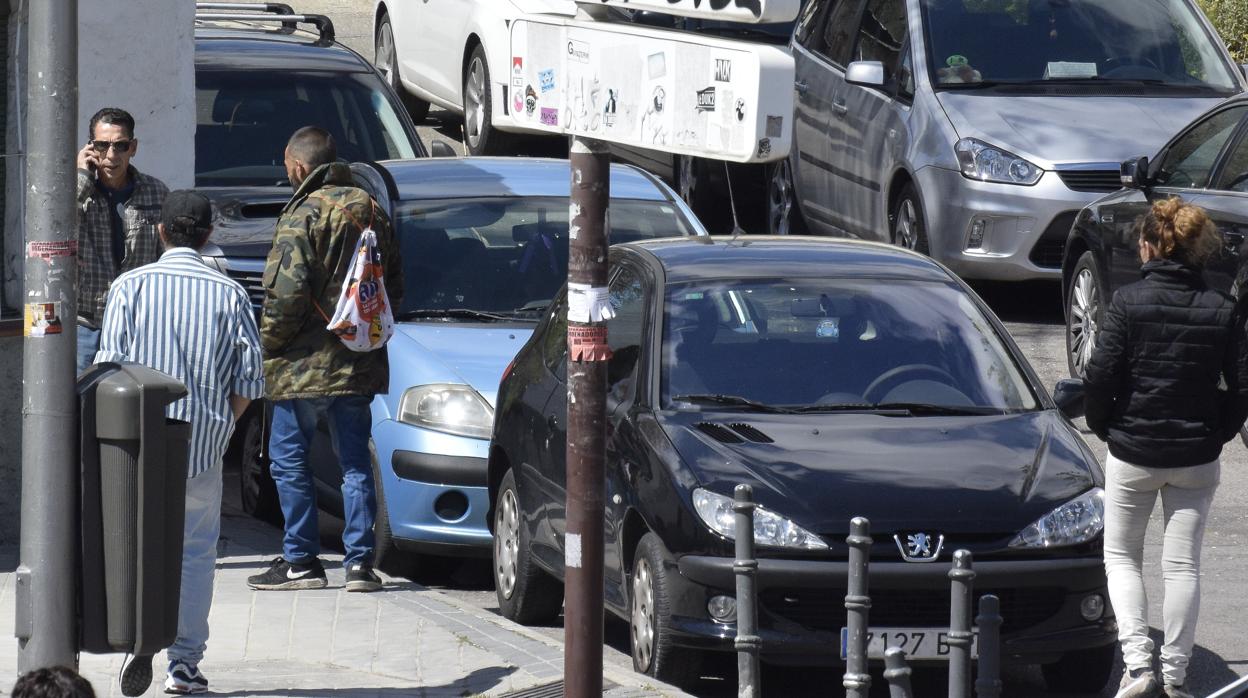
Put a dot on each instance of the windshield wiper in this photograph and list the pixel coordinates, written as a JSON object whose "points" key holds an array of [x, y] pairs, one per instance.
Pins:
{"points": [[906, 408], [731, 401], [458, 314]]}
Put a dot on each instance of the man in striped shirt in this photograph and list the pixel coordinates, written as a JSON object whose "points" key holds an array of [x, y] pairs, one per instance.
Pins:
{"points": [[179, 316]]}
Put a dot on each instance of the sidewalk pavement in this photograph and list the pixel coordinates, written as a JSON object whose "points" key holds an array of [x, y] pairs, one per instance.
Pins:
{"points": [[405, 641]]}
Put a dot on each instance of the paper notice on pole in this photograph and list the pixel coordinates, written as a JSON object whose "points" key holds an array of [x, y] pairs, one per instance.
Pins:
{"points": [[572, 550], [589, 303]]}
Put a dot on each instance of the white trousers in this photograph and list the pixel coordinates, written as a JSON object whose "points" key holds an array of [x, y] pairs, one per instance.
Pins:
{"points": [[199, 565], [1130, 494]]}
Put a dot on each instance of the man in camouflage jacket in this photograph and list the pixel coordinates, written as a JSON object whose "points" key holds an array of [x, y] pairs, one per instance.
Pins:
{"points": [[309, 373]]}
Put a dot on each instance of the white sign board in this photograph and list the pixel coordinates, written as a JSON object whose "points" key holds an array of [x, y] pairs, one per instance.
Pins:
{"points": [[753, 11], [649, 88]]}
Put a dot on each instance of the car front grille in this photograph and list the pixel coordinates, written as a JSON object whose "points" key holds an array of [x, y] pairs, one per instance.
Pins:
{"points": [[1050, 249], [250, 275], [1103, 181], [920, 608]]}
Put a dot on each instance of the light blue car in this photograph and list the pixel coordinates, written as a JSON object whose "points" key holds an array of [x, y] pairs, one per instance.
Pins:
{"points": [[485, 248]]}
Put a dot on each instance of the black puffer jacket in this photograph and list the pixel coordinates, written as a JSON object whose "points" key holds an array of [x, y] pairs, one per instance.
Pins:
{"points": [[1153, 380]]}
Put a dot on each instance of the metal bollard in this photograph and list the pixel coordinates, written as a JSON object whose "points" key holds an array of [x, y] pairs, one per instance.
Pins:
{"points": [[988, 673], [897, 673], [960, 635], [857, 681], [748, 643]]}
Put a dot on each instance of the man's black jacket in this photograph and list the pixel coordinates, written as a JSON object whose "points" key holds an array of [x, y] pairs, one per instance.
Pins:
{"points": [[1164, 347]]}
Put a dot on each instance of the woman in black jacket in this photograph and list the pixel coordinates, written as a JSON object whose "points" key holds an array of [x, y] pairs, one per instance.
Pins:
{"points": [[1166, 344]]}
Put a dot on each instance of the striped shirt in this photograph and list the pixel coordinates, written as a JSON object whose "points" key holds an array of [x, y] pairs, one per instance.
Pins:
{"points": [[183, 318]]}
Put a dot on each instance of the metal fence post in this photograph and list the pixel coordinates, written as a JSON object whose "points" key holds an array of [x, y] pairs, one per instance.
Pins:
{"points": [[960, 636], [897, 673], [857, 681], [749, 680], [988, 671]]}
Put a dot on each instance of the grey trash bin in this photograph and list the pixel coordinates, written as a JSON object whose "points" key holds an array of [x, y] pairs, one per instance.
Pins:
{"points": [[133, 501]]}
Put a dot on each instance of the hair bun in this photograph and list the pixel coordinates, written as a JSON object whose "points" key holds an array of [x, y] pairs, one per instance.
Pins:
{"points": [[1167, 210]]}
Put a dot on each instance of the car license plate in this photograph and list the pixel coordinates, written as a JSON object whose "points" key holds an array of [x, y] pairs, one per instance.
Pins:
{"points": [[917, 643]]}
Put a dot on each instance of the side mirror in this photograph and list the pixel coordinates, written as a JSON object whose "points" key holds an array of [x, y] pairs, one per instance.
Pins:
{"points": [[1134, 173], [1068, 394], [441, 149], [865, 73]]}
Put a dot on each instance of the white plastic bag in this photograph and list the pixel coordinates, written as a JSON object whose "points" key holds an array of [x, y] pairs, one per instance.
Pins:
{"points": [[364, 320]]}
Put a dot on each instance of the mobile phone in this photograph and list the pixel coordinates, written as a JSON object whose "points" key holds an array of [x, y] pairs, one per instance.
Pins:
{"points": [[90, 165]]}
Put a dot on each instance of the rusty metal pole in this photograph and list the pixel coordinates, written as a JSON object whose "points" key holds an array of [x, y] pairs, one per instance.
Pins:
{"points": [[587, 393]]}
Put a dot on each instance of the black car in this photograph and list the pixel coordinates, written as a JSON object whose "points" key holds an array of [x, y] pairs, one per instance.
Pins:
{"points": [[1207, 165], [839, 379]]}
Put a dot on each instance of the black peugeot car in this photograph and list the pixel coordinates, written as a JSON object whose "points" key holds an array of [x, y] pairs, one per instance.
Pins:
{"points": [[1207, 165], [839, 379]]}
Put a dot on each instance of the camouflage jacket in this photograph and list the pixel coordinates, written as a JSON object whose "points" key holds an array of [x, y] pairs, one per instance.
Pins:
{"points": [[96, 266], [312, 253]]}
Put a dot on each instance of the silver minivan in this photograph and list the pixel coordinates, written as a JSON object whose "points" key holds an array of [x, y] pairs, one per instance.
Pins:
{"points": [[975, 130]]}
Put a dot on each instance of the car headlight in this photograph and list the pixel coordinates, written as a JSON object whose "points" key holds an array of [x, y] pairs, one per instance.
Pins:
{"points": [[990, 164], [1077, 521], [769, 529], [447, 407]]}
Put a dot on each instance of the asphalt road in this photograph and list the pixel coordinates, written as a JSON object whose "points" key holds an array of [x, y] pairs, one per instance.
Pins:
{"points": [[1032, 313]]}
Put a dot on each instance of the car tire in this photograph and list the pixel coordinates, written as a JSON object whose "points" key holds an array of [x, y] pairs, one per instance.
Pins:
{"points": [[695, 185], [651, 639], [386, 58], [480, 137], [526, 594], [783, 215], [257, 491], [1085, 309], [1082, 671], [909, 227], [386, 554]]}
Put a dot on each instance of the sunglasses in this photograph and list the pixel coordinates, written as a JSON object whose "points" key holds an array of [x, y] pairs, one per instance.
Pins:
{"points": [[103, 146]]}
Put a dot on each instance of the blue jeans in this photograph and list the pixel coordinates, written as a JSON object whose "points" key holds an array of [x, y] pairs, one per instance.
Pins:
{"points": [[350, 423], [88, 344], [199, 563]]}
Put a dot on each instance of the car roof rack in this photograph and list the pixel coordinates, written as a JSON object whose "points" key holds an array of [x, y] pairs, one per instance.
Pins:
{"points": [[275, 12]]}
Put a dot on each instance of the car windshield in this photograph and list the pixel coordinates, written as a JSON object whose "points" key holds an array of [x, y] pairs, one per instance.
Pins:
{"points": [[841, 344], [245, 118], [504, 256], [1154, 43]]}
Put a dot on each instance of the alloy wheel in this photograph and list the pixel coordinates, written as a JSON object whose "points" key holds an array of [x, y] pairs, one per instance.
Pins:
{"points": [[506, 542], [474, 98], [1084, 309], [780, 199], [906, 227], [385, 58], [643, 615], [684, 179]]}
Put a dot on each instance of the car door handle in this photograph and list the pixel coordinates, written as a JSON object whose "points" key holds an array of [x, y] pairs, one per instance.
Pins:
{"points": [[840, 108], [801, 87]]}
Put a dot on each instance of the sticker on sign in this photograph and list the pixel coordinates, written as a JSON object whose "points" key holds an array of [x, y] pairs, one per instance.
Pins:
{"points": [[917, 643], [638, 86], [753, 11]]}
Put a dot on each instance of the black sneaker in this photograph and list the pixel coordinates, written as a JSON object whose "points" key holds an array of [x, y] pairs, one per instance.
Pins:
{"points": [[361, 577], [136, 675], [184, 679], [286, 576]]}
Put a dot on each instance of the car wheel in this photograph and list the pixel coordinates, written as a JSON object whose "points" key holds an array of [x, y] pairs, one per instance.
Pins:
{"points": [[1085, 308], [783, 215], [650, 631], [526, 594], [257, 491], [909, 230], [386, 58], [694, 185], [479, 134], [1084, 671], [386, 555]]}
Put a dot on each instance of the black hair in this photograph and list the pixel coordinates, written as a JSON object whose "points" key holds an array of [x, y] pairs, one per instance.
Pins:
{"points": [[114, 116], [183, 232], [56, 682], [312, 146]]}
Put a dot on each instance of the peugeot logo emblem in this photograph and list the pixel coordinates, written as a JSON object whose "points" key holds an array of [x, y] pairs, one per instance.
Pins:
{"points": [[919, 546]]}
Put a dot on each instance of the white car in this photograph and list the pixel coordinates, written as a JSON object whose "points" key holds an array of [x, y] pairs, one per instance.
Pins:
{"points": [[455, 54]]}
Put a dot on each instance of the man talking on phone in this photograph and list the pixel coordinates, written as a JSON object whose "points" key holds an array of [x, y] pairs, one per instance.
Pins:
{"points": [[118, 211]]}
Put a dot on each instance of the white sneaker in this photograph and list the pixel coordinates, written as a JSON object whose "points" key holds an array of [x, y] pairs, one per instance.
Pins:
{"points": [[185, 679], [1137, 683]]}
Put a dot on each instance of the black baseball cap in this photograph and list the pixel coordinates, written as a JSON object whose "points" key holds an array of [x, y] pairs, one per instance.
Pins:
{"points": [[185, 207]]}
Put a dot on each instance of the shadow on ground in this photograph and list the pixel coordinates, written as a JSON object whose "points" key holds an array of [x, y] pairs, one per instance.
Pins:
{"points": [[478, 682]]}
